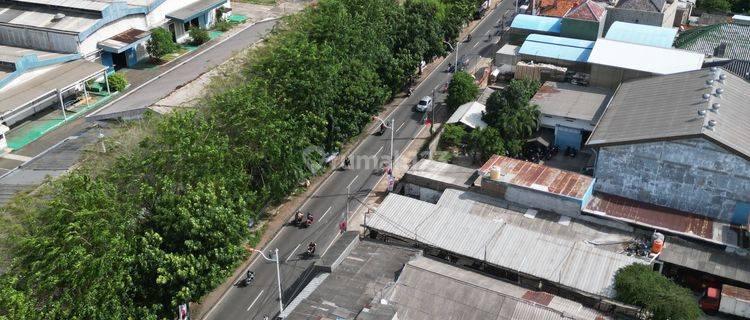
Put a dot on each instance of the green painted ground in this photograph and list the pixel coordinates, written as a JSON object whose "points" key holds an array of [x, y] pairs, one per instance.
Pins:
{"points": [[31, 130]]}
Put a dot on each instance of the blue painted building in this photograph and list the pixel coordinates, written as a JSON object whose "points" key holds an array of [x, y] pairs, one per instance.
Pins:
{"points": [[523, 25], [566, 52]]}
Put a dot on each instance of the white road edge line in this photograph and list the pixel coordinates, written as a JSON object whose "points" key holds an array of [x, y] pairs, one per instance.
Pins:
{"points": [[376, 153], [324, 214], [254, 301], [350, 183], [474, 46], [329, 245], [292, 254], [399, 127]]}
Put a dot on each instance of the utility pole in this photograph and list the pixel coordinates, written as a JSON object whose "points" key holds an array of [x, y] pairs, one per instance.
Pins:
{"points": [[393, 129], [455, 51], [278, 274], [434, 105]]}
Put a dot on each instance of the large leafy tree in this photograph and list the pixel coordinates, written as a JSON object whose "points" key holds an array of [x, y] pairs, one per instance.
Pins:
{"points": [[509, 110], [461, 89], [721, 6]]}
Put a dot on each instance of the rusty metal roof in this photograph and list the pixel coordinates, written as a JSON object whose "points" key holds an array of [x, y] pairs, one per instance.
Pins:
{"points": [[539, 177], [649, 214], [736, 292]]}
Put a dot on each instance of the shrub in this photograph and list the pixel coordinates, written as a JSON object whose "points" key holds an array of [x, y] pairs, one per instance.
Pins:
{"points": [[453, 135], [198, 36], [638, 285], [160, 43], [222, 25], [117, 82]]}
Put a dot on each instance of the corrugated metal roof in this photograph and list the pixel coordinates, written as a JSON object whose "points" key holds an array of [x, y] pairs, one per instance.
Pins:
{"points": [[60, 77], [644, 58], [567, 100], [588, 10], [537, 23], [428, 289], [724, 40], [642, 34], [557, 47], [190, 11], [650, 215], [508, 246], [641, 5], [469, 114], [451, 175], [540, 177], [665, 107], [42, 17], [706, 259], [71, 4]]}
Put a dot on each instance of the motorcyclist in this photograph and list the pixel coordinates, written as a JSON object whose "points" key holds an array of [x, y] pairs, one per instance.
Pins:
{"points": [[382, 127], [347, 162], [249, 276], [309, 218], [298, 216], [311, 248], [468, 38]]}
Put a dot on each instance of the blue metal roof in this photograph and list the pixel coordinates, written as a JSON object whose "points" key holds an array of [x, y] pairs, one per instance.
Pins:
{"points": [[537, 23], [557, 48], [642, 34]]}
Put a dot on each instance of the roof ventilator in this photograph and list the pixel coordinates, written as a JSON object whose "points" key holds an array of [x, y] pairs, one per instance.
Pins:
{"points": [[58, 17], [715, 107], [719, 91], [711, 125]]}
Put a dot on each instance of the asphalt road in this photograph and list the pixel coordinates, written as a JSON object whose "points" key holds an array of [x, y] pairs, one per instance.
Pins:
{"points": [[328, 203], [182, 73]]}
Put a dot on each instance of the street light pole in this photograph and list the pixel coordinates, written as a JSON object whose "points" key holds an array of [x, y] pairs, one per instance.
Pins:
{"points": [[393, 128], [278, 274], [455, 52]]}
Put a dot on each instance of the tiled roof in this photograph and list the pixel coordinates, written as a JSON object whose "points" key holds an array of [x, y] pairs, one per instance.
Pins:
{"points": [[557, 8], [726, 40], [588, 10], [641, 5]]}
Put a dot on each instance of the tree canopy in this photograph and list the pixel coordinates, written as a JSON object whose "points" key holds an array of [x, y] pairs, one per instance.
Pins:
{"points": [[638, 285], [165, 222], [511, 113], [461, 89]]}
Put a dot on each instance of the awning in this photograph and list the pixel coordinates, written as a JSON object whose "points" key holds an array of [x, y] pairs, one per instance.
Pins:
{"points": [[195, 9], [124, 41], [62, 77]]}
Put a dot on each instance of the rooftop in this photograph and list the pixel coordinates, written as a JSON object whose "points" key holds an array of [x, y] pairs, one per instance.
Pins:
{"points": [[9, 54], [355, 283], [538, 177], [428, 289], [194, 9], [665, 107], [642, 5], [43, 17], [537, 23], [429, 172], [486, 238], [62, 76], [567, 100], [469, 114], [642, 34], [557, 8], [644, 58], [706, 259], [588, 10], [740, 68], [724, 40], [121, 41], [557, 47]]}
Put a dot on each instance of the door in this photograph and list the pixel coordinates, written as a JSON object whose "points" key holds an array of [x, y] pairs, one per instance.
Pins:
{"points": [[120, 60], [173, 31]]}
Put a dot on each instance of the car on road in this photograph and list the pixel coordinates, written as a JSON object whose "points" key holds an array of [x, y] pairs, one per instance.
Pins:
{"points": [[424, 104]]}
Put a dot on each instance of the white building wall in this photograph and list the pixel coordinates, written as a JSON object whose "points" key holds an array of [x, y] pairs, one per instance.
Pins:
{"points": [[157, 18], [110, 30], [543, 200]]}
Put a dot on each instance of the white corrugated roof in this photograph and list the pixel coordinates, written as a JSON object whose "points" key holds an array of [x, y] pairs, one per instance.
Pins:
{"points": [[469, 114], [644, 58], [512, 247]]}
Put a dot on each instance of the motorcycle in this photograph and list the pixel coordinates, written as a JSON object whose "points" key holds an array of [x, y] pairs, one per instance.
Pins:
{"points": [[308, 222], [382, 129], [310, 252], [249, 277], [298, 218]]}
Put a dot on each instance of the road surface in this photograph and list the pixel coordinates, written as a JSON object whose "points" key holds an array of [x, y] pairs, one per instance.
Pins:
{"points": [[328, 203]]}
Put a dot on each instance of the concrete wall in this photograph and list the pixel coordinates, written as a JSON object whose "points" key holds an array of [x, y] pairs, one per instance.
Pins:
{"points": [[551, 122], [580, 29], [422, 193], [634, 16], [691, 175], [611, 77], [157, 17], [536, 199]]}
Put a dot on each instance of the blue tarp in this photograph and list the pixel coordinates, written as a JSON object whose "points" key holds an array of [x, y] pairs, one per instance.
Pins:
{"points": [[642, 34], [557, 48], [537, 23]]}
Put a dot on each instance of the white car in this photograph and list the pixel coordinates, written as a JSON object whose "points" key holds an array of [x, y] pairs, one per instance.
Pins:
{"points": [[425, 104]]}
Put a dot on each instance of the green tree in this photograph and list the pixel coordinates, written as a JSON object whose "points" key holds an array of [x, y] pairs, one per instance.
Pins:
{"points": [[160, 44], [638, 285], [721, 6], [483, 143], [453, 135], [509, 110], [198, 36], [461, 89], [117, 81]]}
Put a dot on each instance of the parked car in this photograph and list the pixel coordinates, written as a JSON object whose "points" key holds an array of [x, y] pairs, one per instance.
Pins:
{"points": [[424, 104]]}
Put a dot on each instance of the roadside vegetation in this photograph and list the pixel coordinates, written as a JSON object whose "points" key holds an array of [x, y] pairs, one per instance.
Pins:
{"points": [[725, 6], [660, 298], [163, 221], [160, 44]]}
